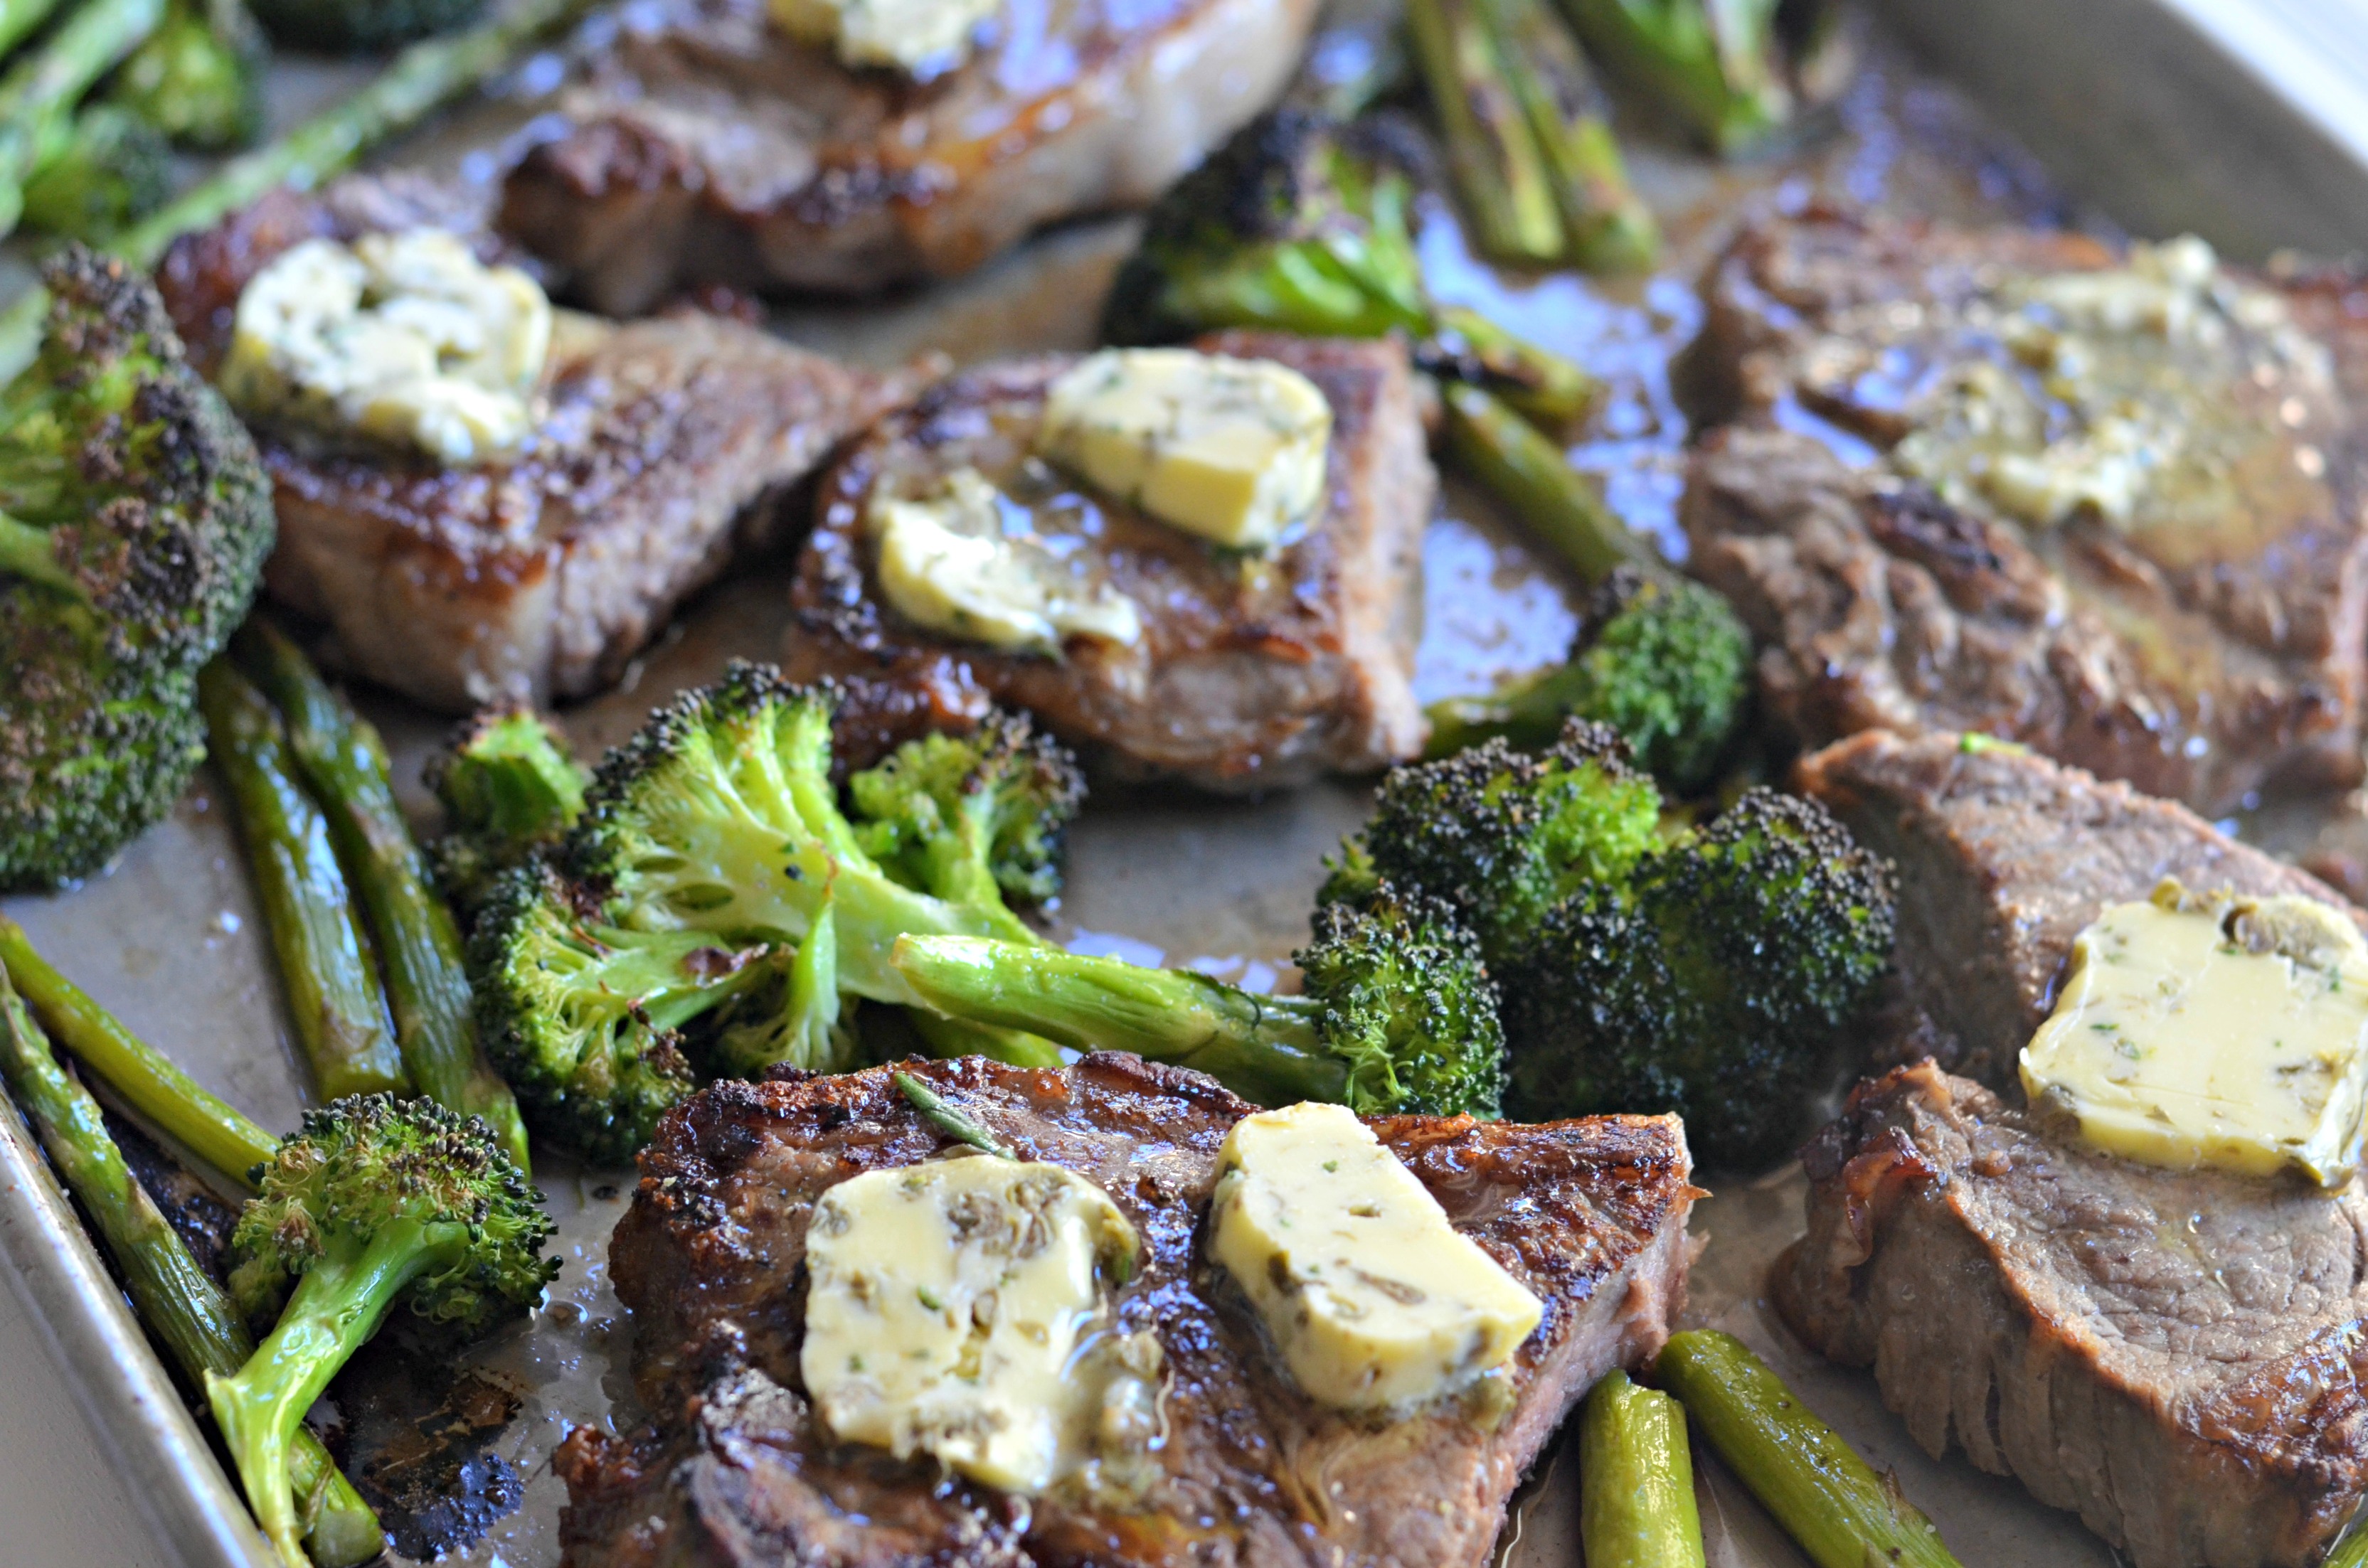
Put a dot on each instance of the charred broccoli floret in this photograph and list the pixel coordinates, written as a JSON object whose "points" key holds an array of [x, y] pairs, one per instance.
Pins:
{"points": [[1712, 983], [199, 79], [510, 788], [359, 27], [711, 848], [373, 1202], [1398, 1014], [99, 170], [134, 517]]}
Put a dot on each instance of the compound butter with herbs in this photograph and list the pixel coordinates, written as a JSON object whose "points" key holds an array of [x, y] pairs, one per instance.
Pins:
{"points": [[920, 37], [954, 563], [2212, 1030], [1374, 1299]]}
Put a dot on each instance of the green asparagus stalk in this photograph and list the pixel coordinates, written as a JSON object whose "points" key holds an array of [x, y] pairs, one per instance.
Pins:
{"points": [[1636, 1480], [1829, 1501], [2352, 1552], [149, 1082], [341, 756], [19, 17], [1712, 64], [328, 965], [1545, 388], [1500, 169], [1609, 226], [1529, 472], [187, 1311], [46, 84]]}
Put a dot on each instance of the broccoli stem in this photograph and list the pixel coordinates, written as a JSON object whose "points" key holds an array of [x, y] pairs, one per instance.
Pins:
{"points": [[19, 17], [329, 964], [1529, 472], [950, 1038], [48, 83], [1264, 1048], [207, 1127], [1498, 167], [177, 1298], [1528, 710], [1611, 229], [29, 553], [334, 1311], [1828, 1500], [345, 762], [1637, 1480]]}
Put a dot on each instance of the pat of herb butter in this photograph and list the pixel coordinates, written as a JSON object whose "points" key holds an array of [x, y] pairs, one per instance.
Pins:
{"points": [[963, 562], [2218, 1030], [920, 37], [1374, 1299], [952, 1309], [1230, 449], [405, 338]]}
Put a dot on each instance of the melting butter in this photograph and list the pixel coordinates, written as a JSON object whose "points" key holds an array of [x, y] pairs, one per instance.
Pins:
{"points": [[948, 562], [920, 37]]}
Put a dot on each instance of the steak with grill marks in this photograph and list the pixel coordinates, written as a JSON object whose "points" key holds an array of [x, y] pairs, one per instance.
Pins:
{"points": [[1589, 1214], [666, 443], [2205, 647], [710, 147], [1244, 676], [2177, 1355]]}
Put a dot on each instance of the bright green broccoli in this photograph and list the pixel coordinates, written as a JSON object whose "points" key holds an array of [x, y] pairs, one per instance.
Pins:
{"points": [[134, 517], [372, 1202], [99, 170], [1398, 1014], [510, 788], [792, 1016], [199, 79], [361, 26]]}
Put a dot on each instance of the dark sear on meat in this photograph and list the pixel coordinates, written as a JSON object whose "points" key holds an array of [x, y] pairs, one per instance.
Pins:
{"points": [[2177, 1355], [1247, 675], [2206, 647], [2003, 857], [1590, 1215], [708, 146], [669, 442]]}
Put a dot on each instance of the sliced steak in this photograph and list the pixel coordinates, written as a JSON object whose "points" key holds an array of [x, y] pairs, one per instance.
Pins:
{"points": [[1589, 1214], [2003, 857], [667, 442], [2205, 647], [2178, 1357], [710, 147], [1243, 679]]}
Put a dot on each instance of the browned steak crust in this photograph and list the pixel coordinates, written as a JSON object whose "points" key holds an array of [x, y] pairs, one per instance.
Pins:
{"points": [[2200, 660], [1244, 680], [2003, 857], [1589, 1214], [710, 147], [666, 442], [2177, 1355]]}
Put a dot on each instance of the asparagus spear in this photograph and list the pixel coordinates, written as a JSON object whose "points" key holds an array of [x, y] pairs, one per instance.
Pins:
{"points": [[1713, 63], [1501, 449], [181, 1305], [328, 965], [46, 84], [1636, 1480], [341, 756], [19, 17], [208, 1127], [1610, 228], [1828, 1500], [1499, 168]]}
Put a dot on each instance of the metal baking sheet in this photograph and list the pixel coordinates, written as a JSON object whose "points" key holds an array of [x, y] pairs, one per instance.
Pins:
{"points": [[169, 939]]}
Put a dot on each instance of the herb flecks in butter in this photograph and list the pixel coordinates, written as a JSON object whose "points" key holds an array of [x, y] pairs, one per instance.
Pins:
{"points": [[920, 37], [1374, 1299], [964, 563], [958, 1308], [406, 339], [2220, 1031]]}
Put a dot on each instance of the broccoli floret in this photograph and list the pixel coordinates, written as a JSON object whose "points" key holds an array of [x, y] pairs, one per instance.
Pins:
{"points": [[373, 1202], [1502, 836], [104, 168], [1398, 1014], [199, 79], [1714, 982], [360, 26], [510, 788], [134, 518], [965, 815], [793, 1017]]}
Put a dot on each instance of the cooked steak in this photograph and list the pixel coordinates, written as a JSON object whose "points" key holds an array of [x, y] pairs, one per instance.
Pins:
{"points": [[2178, 1357], [1589, 1214], [711, 147], [2177, 596], [539, 577], [2003, 855], [1242, 679]]}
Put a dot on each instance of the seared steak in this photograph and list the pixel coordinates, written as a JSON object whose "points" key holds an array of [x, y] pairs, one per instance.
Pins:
{"points": [[2003, 855], [543, 576], [710, 147], [1589, 1214], [2177, 1355], [2204, 646], [1242, 679]]}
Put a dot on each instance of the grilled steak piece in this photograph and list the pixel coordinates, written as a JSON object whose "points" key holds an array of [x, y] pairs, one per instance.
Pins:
{"points": [[2205, 646], [2177, 1356], [667, 442], [1242, 679], [1590, 1214], [710, 147], [2003, 857]]}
